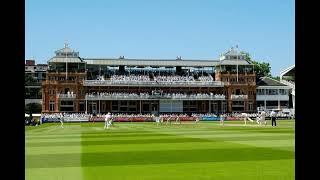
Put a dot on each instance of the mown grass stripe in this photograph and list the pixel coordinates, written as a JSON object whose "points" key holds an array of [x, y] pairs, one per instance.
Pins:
{"points": [[104, 142], [102, 136], [133, 147], [156, 157]]}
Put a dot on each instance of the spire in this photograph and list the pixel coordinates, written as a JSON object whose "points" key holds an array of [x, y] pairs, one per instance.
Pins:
{"points": [[66, 44]]}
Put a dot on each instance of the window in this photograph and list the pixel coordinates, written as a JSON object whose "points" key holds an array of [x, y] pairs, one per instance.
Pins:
{"points": [[132, 103], [284, 104], [283, 91], [123, 103], [250, 106], [66, 103], [145, 107], [114, 108], [81, 106], [123, 108], [66, 90], [272, 103], [51, 105], [66, 109], [260, 92], [238, 103], [260, 103], [238, 92], [272, 92], [193, 109], [114, 103], [194, 103]]}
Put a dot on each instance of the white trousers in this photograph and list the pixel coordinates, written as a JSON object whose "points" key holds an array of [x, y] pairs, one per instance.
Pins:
{"points": [[106, 124]]}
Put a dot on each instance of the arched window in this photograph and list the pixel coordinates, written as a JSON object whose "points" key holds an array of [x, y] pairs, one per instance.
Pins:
{"points": [[237, 91]]}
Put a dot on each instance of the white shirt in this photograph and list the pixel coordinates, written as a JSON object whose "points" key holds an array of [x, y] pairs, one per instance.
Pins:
{"points": [[107, 117], [263, 114], [273, 114]]}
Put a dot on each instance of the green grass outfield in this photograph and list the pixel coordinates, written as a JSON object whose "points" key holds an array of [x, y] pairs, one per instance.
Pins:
{"points": [[131, 151]]}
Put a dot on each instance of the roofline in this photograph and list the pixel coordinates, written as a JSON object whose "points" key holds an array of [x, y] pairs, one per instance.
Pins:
{"points": [[262, 78], [272, 87], [287, 70], [152, 62], [249, 63], [202, 60]]}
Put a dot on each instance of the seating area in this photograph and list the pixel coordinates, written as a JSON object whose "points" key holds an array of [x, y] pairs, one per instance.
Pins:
{"points": [[120, 95]]}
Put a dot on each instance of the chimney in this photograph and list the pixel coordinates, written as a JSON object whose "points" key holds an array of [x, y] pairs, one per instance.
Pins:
{"points": [[30, 62]]}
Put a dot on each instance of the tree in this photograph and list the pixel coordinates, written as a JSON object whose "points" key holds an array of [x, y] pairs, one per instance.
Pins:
{"points": [[276, 78], [261, 69], [29, 80], [33, 108]]}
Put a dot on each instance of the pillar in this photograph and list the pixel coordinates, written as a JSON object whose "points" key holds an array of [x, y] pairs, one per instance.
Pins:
{"points": [[86, 105], [99, 105]]}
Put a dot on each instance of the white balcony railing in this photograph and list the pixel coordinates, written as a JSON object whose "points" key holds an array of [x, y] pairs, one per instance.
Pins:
{"points": [[138, 97], [239, 97], [66, 96], [152, 83]]}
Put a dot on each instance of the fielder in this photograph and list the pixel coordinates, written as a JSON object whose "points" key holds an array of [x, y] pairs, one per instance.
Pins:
{"points": [[246, 117], [157, 118], [169, 119], [178, 119], [222, 119], [61, 119], [262, 118], [107, 121], [197, 119]]}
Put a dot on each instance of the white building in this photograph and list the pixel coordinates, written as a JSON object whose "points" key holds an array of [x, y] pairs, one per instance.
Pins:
{"points": [[33, 89], [288, 77], [272, 94]]}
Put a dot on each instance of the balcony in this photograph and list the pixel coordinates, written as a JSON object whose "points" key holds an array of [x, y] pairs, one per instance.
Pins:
{"points": [[153, 97], [60, 82], [239, 97], [272, 97], [154, 83], [241, 83], [66, 96]]}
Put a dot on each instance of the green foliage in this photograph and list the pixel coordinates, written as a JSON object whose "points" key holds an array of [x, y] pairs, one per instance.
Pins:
{"points": [[261, 68], [29, 80], [33, 108], [32, 93], [276, 78], [288, 78]]}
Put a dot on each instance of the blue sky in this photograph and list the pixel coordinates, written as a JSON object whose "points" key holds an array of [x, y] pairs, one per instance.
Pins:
{"points": [[192, 29]]}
